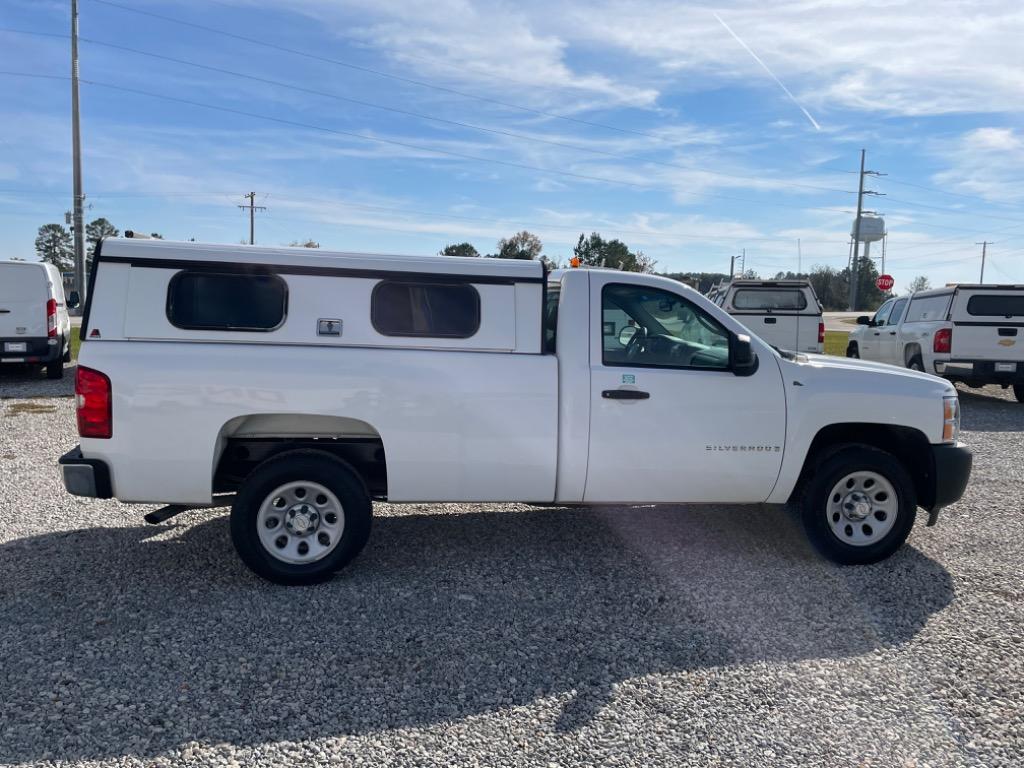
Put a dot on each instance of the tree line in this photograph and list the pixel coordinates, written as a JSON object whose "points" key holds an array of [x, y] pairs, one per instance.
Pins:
{"points": [[55, 244], [591, 251]]}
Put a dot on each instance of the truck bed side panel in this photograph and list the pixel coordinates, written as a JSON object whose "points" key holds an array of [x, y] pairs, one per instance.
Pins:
{"points": [[456, 426]]}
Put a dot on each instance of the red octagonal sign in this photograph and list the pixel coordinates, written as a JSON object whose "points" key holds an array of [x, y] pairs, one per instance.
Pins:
{"points": [[885, 282]]}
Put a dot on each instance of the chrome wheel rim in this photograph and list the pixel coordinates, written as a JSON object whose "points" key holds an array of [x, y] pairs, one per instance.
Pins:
{"points": [[862, 508], [300, 522]]}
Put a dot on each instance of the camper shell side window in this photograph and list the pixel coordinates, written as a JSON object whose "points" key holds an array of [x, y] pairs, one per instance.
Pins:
{"points": [[223, 301]]}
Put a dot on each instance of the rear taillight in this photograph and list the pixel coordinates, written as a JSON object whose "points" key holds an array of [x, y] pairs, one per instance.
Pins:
{"points": [[51, 318], [821, 333], [943, 342], [92, 401]]}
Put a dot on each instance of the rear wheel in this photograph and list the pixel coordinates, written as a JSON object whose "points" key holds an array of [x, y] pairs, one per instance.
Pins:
{"points": [[55, 370], [852, 350], [859, 506], [1018, 392], [300, 517], [915, 363]]}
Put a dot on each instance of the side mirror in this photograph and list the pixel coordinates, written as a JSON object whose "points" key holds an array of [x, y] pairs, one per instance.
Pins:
{"points": [[73, 300], [627, 333], [864, 320], [742, 355]]}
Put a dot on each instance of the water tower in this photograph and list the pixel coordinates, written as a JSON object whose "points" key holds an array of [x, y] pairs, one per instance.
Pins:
{"points": [[872, 229]]}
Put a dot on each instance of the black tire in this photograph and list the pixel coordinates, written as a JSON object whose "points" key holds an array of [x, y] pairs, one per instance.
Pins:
{"points": [[916, 363], [55, 370], [852, 350], [1018, 392], [310, 466], [814, 512]]}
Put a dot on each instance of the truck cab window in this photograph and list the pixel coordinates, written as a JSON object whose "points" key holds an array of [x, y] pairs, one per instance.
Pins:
{"points": [[643, 326], [882, 315], [897, 312]]}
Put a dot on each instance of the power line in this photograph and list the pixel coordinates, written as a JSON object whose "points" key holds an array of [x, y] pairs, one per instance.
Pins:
{"points": [[953, 194], [377, 72], [420, 115], [419, 147], [700, 236]]}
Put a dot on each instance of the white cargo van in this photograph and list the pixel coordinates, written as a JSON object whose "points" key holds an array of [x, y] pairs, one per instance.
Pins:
{"points": [[299, 387], [35, 328], [785, 313], [968, 333]]}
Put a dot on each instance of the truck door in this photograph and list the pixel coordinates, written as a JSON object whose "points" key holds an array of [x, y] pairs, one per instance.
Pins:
{"points": [[889, 348], [870, 342], [669, 421]]}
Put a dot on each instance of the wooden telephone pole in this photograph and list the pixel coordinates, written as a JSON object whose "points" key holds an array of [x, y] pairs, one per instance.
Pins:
{"points": [[252, 215]]}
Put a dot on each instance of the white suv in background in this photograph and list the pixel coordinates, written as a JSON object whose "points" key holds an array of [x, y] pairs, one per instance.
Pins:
{"points": [[968, 333]]}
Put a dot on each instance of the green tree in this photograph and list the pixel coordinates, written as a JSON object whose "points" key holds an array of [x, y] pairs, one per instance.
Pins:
{"points": [[310, 243], [522, 245], [53, 245], [919, 283], [96, 230], [595, 251], [459, 249]]}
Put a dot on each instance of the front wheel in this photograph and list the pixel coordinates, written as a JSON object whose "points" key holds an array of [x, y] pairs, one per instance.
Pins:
{"points": [[852, 350], [859, 506], [55, 370], [300, 516]]}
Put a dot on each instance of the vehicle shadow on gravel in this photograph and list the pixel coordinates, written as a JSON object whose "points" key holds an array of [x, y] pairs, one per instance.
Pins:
{"points": [[31, 381], [990, 409], [136, 641]]}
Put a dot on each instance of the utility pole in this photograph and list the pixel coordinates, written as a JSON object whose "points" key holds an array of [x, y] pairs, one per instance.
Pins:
{"points": [[855, 263], [984, 247], [799, 256], [732, 266], [76, 154], [252, 215]]}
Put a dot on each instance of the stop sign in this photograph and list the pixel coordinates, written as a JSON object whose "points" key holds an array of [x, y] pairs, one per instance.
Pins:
{"points": [[885, 282]]}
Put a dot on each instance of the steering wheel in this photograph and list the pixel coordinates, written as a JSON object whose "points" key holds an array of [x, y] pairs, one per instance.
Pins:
{"points": [[636, 343]]}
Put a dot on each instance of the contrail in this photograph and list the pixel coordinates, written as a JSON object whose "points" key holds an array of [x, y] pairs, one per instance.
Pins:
{"points": [[772, 74]]}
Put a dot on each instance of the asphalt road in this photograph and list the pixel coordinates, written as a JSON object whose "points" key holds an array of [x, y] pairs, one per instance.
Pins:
{"points": [[507, 635]]}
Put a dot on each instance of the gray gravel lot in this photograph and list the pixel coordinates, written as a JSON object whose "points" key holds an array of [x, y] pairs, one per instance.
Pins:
{"points": [[507, 634]]}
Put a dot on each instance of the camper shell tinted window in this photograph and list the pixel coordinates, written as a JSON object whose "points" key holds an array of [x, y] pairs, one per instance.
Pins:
{"points": [[410, 308], [216, 301], [996, 305], [792, 299]]}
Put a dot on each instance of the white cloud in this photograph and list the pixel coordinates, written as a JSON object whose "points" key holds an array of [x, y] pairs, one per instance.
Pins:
{"points": [[988, 162]]}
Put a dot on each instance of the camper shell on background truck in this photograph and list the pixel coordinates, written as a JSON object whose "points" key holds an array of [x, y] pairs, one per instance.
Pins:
{"points": [[785, 313], [299, 387]]}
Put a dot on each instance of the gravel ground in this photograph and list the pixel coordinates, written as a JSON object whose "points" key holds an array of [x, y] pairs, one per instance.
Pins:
{"points": [[507, 634]]}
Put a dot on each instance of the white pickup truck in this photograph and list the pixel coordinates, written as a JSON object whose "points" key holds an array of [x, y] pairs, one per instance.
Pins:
{"points": [[307, 385], [968, 333], [785, 313]]}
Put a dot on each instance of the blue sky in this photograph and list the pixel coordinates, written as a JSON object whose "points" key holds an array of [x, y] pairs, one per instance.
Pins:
{"points": [[426, 123]]}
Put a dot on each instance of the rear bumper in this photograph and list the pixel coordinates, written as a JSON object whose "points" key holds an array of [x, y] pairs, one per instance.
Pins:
{"points": [[37, 349], [979, 371], [952, 470], [85, 477]]}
